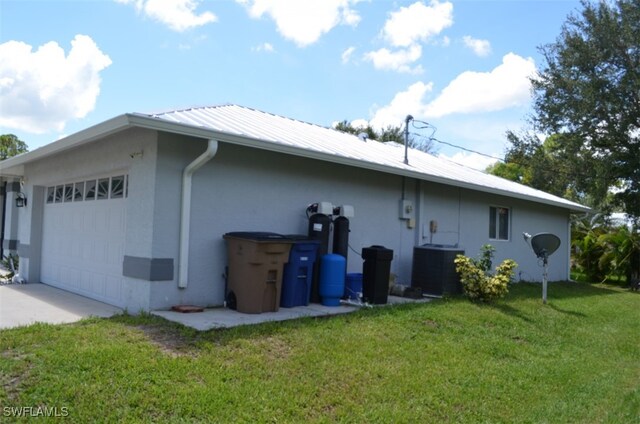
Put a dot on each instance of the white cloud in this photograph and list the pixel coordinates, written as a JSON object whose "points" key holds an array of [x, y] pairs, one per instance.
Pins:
{"points": [[304, 22], [505, 86], [405, 29], [346, 55], [264, 47], [470, 160], [480, 47], [406, 102], [417, 22], [45, 88], [179, 15], [399, 60], [359, 123]]}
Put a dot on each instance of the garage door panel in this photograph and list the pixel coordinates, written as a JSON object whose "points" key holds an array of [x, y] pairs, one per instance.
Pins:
{"points": [[83, 247], [76, 249]]}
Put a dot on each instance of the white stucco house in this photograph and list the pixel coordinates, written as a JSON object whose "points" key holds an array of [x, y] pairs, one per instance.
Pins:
{"points": [[132, 211]]}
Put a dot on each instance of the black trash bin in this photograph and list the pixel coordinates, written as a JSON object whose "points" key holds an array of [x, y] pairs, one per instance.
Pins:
{"points": [[375, 274]]}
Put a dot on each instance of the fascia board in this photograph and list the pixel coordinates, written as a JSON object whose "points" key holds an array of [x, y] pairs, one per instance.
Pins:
{"points": [[87, 135]]}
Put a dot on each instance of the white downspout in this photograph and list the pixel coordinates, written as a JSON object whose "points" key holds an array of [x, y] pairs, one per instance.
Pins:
{"points": [[185, 213]]}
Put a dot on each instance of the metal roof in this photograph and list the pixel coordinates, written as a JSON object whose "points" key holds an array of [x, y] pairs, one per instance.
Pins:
{"points": [[305, 139], [256, 129]]}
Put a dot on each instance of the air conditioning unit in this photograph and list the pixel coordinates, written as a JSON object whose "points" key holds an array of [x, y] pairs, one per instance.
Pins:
{"points": [[434, 271]]}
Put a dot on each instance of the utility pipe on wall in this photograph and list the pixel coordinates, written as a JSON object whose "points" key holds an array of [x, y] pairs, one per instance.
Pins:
{"points": [[185, 213]]}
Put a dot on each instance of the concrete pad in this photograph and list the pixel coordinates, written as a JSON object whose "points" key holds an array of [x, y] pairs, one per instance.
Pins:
{"points": [[25, 304], [226, 318], [212, 318]]}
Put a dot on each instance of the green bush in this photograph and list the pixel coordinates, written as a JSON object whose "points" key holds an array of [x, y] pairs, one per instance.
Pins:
{"points": [[477, 280]]}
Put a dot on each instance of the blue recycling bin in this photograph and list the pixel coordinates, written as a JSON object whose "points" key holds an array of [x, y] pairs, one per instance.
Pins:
{"points": [[298, 273]]}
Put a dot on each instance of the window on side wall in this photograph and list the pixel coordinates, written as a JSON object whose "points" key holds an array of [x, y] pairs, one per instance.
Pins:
{"points": [[499, 223]]}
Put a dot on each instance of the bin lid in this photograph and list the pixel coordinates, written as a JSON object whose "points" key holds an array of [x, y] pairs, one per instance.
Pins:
{"points": [[258, 236], [449, 247], [377, 252], [302, 238]]}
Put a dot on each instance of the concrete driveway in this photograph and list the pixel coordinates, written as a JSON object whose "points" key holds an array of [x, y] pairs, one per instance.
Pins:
{"points": [[25, 304]]}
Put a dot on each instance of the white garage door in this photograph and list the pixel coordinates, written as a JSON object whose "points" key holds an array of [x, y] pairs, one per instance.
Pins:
{"points": [[83, 238]]}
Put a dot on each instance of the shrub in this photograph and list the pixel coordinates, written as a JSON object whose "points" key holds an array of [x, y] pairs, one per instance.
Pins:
{"points": [[477, 280], [11, 264]]}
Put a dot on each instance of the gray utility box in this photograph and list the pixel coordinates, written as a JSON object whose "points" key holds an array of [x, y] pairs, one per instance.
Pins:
{"points": [[434, 271]]}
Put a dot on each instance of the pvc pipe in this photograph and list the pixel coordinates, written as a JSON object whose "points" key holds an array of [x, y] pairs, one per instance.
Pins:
{"points": [[185, 213]]}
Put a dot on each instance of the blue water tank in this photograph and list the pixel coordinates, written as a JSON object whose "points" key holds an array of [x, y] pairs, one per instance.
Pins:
{"points": [[333, 269]]}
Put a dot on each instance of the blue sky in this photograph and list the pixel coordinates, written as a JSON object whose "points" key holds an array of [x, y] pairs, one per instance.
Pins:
{"points": [[461, 66]]}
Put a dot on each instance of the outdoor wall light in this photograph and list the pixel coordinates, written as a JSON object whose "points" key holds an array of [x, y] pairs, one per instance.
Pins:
{"points": [[21, 200]]}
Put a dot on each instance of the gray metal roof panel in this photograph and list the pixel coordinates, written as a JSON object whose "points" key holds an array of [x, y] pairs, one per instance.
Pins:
{"points": [[266, 127]]}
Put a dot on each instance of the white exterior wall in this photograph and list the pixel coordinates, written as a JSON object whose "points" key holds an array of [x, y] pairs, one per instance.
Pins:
{"points": [[463, 219], [107, 156], [243, 189]]}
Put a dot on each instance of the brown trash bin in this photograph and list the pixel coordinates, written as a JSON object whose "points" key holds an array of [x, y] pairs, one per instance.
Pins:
{"points": [[256, 262]]}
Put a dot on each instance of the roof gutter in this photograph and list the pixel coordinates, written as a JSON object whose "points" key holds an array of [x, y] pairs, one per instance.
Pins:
{"points": [[185, 213]]}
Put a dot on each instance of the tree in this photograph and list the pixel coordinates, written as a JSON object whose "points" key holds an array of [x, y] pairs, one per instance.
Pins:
{"points": [[588, 93], [10, 145], [345, 126], [539, 164], [390, 133], [602, 250]]}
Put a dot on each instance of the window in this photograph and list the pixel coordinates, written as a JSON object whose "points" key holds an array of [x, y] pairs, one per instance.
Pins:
{"points": [[117, 187], [499, 223], [90, 190], [78, 191], [50, 193], [59, 194], [68, 192], [103, 188]]}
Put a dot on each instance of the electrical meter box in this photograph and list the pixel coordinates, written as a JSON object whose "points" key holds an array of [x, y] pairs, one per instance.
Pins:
{"points": [[406, 209]]}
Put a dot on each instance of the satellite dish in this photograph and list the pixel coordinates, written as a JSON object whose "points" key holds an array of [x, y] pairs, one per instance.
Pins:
{"points": [[543, 245]]}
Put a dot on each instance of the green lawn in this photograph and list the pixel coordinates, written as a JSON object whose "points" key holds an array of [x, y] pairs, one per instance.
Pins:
{"points": [[576, 359]]}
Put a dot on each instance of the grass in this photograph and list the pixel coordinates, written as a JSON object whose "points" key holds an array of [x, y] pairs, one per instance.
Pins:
{"points": [[611, 279], [576, 359]]}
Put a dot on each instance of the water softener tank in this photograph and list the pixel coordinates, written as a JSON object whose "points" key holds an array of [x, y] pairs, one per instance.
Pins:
{"points": [[319, 229], [333, 269], [341, 236]]}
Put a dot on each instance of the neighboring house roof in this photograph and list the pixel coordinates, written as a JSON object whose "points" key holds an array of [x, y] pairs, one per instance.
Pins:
{"points": [[249, 127]]}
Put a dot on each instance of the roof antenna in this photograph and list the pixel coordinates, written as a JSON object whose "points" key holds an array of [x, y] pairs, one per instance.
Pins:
{"points": [[406, 138]]}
